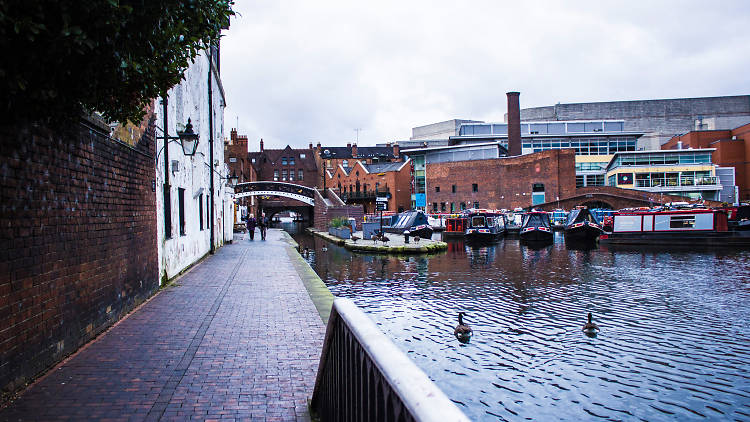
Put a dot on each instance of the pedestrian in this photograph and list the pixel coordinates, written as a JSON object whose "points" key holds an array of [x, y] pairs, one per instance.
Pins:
{"points": [[251, 223], [263, 223]]}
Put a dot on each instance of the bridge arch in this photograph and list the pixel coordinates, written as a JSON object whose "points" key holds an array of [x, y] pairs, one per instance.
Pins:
{"points": [[289, 190]]}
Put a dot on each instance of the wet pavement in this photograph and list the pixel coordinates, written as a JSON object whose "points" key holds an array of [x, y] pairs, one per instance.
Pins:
{"points": [[235, 338]]}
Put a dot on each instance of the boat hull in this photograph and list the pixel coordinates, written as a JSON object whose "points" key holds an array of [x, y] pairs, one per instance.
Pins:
{"points": [[474, 236], [536, 235], [585, 232], [714, 239]]}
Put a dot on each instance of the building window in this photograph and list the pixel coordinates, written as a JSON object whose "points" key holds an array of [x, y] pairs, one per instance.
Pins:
{"points": [[283, 161], [463, 206], [300, 174], [453, 189], [474, 187], [200, 212], [476, 205], [232, 159], [442, 206], [283, 175], [579, 181], [434, 207], [345, 163], [437, 188], [291, 161], [302, 156], [181, 205], [328, 163], [537, 193], [275, 175], [252, 160], [611, 180], [208, 213], [291, 175], [453, 207]]}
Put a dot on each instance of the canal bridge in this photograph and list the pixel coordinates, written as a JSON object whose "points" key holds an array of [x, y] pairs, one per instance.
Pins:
{"points": [[315, 205], [614, 198]]}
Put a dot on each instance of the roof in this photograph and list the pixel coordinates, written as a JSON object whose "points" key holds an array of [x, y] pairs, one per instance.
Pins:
{"points": [[384, 167], [362, 152]]}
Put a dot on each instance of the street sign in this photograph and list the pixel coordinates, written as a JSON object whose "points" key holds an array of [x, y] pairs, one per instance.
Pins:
{"points": [[381, 199], [380, 206]]}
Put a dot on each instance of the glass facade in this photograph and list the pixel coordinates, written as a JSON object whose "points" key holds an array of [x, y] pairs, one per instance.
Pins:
{"points": [[662, 158], [583, 146]]}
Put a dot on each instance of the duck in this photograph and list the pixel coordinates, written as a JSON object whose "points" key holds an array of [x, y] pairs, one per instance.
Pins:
{"points": [[462, 332], [590, 329], [416, 239], [354, 238]]}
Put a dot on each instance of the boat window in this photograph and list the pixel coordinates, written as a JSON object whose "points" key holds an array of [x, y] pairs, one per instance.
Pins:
{"points": [[477, 221], [682, 222]]}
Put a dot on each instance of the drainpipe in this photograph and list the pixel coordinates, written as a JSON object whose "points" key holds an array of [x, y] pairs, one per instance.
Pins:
{"points": [[211, 147], [166, 192]]}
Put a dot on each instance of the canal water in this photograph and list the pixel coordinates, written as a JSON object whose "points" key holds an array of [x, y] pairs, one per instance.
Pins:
{"points": [[674, 341]]}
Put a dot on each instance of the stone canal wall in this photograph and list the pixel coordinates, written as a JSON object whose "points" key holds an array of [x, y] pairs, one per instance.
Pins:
{"points": [[77, 240]]}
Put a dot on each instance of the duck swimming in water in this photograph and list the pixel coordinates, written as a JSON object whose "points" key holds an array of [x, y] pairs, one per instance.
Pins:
{"points": [[462, 332], [590, 329]]}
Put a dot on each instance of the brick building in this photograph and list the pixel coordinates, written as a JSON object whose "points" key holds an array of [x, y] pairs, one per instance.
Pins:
{"points": [[362, 183], [732, 149], [496, 183], [330, 158], [236, 158], [288, 165]]}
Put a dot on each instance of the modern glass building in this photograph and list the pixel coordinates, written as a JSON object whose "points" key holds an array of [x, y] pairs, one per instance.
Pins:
{"points": [[687, 172]]}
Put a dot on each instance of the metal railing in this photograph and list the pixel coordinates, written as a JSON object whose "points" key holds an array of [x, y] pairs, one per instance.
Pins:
{"points": [[675, 182], [363, 376]]}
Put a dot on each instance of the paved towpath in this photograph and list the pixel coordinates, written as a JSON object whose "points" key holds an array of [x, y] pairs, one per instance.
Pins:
{"points": [[236, 338]]}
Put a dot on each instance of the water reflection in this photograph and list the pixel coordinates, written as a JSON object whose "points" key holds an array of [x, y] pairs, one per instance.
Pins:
{"points": [[674, 340]]}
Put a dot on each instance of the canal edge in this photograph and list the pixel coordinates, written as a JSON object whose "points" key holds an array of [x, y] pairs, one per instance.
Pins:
{"points": [[435, 247], [321, 297]]}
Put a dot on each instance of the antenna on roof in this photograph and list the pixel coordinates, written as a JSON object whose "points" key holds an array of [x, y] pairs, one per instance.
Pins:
{"points": [[357, 130]]}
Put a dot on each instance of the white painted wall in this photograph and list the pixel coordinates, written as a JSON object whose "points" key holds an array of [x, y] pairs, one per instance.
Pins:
{"points": [[190, 99]]}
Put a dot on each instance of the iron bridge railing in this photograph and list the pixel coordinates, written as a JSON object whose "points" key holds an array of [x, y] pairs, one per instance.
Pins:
{"points": [[363, 376], [276, 187]]}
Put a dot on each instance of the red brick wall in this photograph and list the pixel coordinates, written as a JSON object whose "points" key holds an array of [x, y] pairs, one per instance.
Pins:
{"points": [[501, 182], [77, 241]]}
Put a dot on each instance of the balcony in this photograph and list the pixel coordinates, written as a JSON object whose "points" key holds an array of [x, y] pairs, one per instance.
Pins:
{"points": [[362, 196], [679, 184]]}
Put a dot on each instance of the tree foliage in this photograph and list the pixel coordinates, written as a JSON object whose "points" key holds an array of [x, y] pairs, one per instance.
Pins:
{"points": [[62, 57]]}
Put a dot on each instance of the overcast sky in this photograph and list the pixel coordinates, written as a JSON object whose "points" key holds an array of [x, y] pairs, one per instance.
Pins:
{"points": [[296, 72]]}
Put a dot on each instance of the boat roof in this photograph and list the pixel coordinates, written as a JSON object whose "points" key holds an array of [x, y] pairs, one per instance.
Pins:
{"points": [[682, 211]]}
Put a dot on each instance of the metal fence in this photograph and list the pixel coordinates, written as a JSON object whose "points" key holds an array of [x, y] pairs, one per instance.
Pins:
{"points": [[363, 376]]}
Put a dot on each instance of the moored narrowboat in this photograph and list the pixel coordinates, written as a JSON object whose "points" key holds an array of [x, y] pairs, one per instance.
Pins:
{"points": [[558, 219], [485, 226], [415, 222], [675, 228], [582, 226], [455, 227], [536, 227]]}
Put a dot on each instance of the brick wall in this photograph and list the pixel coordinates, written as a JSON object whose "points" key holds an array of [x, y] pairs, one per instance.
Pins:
{"points": [[77, 241], [501, 182]]}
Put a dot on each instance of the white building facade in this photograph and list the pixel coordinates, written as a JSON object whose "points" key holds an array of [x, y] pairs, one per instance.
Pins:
{"points": [[194, 200]]}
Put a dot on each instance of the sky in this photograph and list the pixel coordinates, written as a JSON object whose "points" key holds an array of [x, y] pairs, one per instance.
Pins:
{"points": [[338, 72]]}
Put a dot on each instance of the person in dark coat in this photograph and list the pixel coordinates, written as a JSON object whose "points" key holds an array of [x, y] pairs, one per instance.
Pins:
{"points": [[263, 223], [251, 226]]}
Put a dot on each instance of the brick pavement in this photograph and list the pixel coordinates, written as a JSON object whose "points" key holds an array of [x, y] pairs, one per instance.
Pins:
{"points": [[236, 338]]}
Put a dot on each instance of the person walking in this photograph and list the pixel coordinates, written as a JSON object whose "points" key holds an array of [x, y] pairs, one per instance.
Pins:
{"points": [[251, 223], [263, 223]]}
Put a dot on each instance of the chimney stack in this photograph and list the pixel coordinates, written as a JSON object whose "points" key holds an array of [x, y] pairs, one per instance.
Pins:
{"points": [[348, 145], [233, 135], [261, 144], [310, 145], [395, 150], [514, 124], [354, 150]]}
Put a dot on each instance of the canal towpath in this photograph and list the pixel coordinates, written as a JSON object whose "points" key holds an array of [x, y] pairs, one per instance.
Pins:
{"points": [[237, 337]]}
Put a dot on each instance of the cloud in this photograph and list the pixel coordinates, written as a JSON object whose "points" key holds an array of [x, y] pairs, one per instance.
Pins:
{"points": [[298, 72]]}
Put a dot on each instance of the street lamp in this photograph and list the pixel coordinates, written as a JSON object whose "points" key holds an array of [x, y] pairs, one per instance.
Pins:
{"points": [[188, 139]]}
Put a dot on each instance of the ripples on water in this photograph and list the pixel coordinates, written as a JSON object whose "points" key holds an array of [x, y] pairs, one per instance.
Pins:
{"points": [[674, 340]]}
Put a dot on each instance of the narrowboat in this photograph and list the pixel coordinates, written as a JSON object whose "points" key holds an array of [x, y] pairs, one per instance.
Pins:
{"points": [[513, 221], [484, 226], [455, 227], [739, 218], [437, 221], [675, 228], [582, 226], [413, 221], [536, 227], [558, 219]]}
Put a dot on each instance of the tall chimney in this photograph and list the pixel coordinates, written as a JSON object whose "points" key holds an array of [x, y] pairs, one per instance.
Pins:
{"points": [[354, 150], [395, 150], [514, 124], [233, 135], [310, 145], [261, 144]]}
